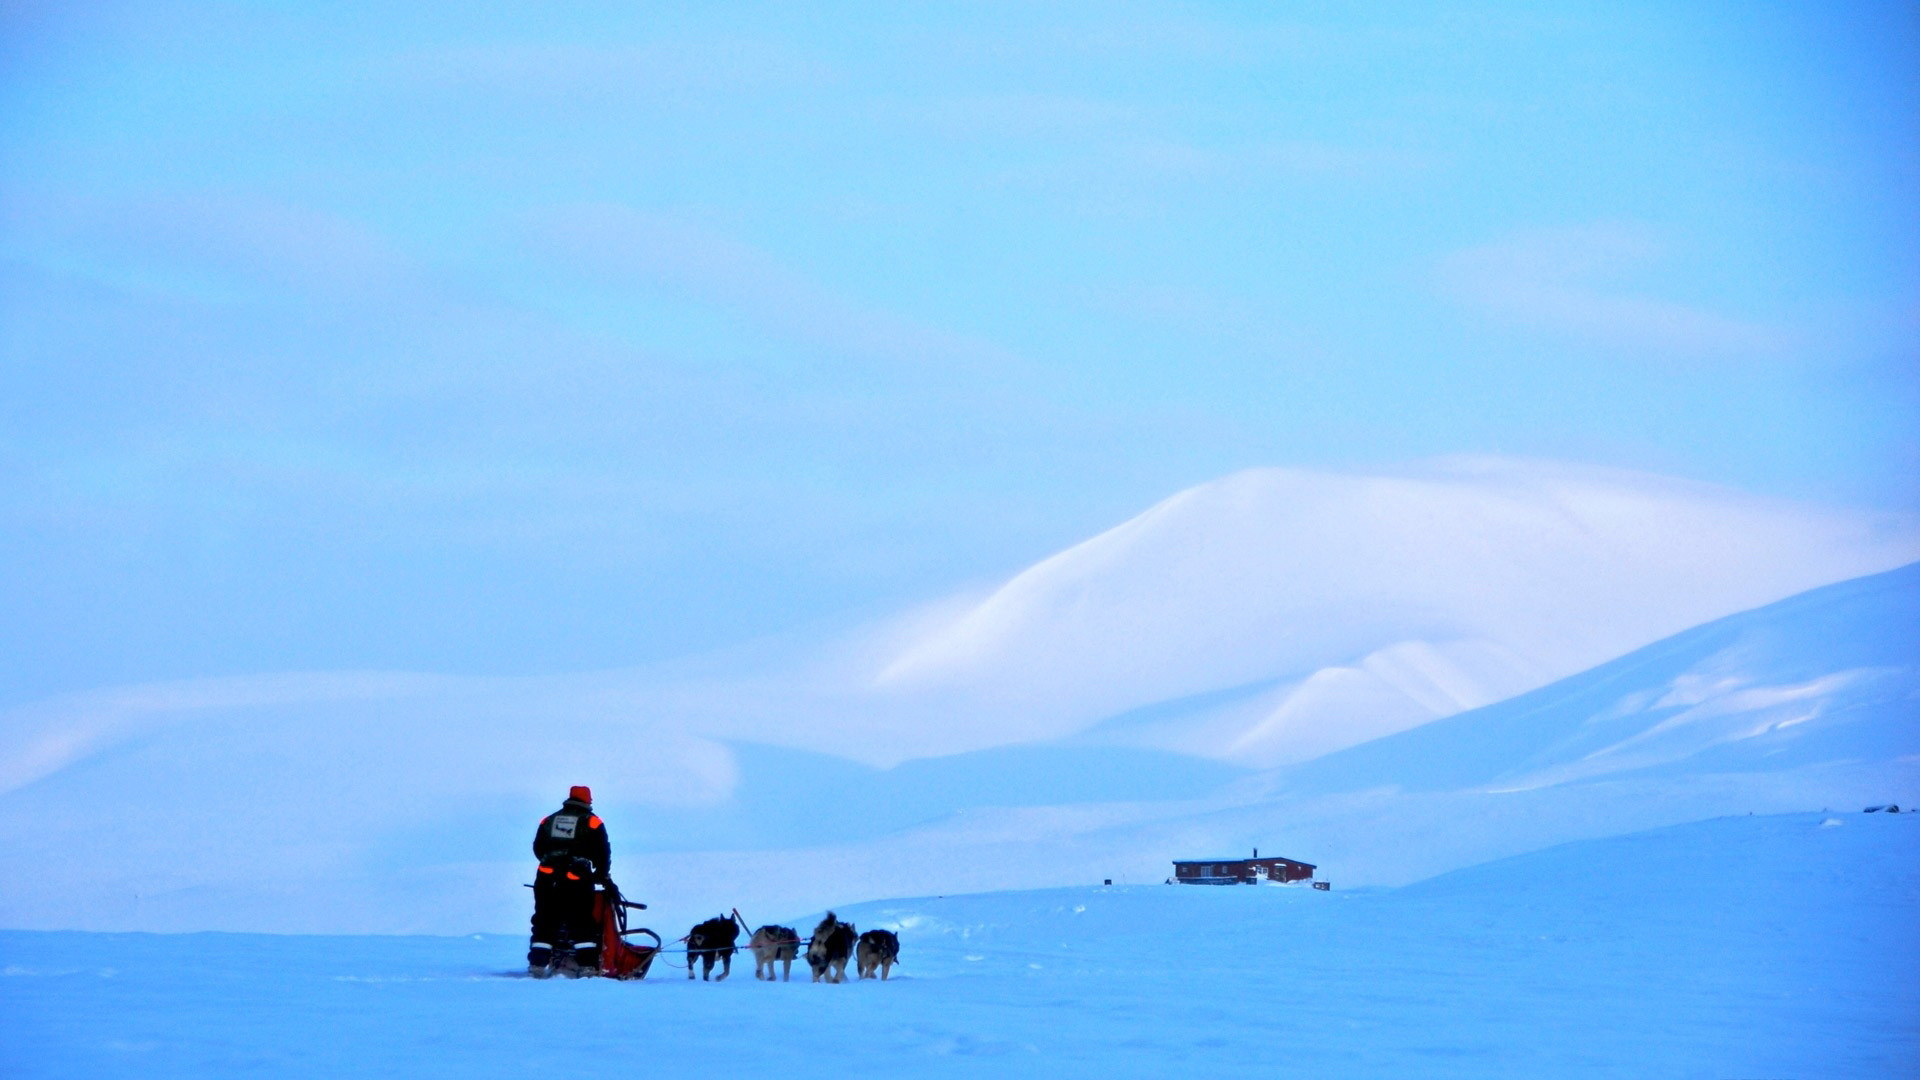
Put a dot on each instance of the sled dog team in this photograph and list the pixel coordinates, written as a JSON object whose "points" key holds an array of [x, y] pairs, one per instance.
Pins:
{"points": [[580, 930], [834, 942]]}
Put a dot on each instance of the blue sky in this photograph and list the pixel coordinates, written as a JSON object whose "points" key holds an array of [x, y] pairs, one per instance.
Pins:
{"points": [[498, 340]]}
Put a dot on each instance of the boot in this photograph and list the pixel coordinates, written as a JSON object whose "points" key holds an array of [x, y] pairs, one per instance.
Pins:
{"points": [[586, 957], [539, 956]]}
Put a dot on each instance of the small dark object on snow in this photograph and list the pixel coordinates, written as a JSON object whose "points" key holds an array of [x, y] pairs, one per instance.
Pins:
{"points": [[1323, 886], [1875, 809], [710, 941], [832, 946], [878, 951]]}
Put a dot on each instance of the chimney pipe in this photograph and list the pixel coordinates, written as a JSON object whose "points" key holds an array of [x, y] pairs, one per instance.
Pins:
{"points": [[1256, 853]]}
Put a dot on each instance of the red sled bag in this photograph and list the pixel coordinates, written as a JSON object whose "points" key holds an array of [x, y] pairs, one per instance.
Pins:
{"points": [[620, 958]]}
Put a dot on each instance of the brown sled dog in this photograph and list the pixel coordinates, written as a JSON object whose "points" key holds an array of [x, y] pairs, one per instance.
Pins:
{"points": [[878, 951], [774, 943], [832, 945], [710, 941]]}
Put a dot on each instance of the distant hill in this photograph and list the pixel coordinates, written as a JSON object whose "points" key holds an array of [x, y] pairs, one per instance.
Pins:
{"points": [[1827, 678], [1279, 614], [1266, 660], [1805, 704]]}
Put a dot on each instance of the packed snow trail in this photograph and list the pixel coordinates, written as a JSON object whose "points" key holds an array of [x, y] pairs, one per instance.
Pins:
{"points": [[1771, 946]]}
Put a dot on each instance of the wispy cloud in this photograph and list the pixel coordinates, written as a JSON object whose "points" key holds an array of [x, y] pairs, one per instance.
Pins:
{"points": [[730, 63], [624, 247], [207, 244], [1023, 115], [1136, 40], [1560, 279], [1282, 158]]}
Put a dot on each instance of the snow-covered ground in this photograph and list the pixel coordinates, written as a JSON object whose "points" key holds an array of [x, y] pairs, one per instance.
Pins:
{"points": [[1781, 946]]}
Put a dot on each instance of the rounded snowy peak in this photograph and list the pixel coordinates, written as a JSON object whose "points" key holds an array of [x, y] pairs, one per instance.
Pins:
{"points": [[1374, 600]]}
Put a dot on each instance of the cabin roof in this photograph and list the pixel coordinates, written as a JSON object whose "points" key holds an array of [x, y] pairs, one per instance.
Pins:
{"points": [[1243, 858]]}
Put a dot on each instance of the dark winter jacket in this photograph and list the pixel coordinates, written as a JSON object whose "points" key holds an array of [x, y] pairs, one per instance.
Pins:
{"points": [[573, 832]]}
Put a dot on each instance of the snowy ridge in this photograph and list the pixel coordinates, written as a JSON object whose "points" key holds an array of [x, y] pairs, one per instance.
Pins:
{"points": [[1095, 716], [1830, 676], [1374, 602], [1811, 702]]}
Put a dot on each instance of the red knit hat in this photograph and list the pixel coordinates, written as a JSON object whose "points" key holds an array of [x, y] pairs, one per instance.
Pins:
{"points": [[581, 792]]}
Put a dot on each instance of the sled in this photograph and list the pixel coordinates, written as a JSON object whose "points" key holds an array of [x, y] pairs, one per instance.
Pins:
{"points": [[619, 957]]}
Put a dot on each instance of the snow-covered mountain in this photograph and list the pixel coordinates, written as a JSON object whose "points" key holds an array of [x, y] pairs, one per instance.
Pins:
{"points": [[1089, 718], [1345, 607], [1829, 677], [1808, 703]]}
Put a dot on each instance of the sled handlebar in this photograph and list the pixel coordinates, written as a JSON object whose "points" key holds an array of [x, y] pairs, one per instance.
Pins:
{"points": [[624, 902]]}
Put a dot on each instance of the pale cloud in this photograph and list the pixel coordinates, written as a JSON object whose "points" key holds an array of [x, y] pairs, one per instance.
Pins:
{"points": [[208, 245], [651, 68], [1030, 114], [624, 247], [1559, 279], [1138, 174], [1141, 39], [1282, 158]]}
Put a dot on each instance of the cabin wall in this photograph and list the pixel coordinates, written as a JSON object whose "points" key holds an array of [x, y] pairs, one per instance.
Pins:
{"points": [[1240, 871]]}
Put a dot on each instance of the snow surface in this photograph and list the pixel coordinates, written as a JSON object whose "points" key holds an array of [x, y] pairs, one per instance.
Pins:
{"points": [[1738, 947]]}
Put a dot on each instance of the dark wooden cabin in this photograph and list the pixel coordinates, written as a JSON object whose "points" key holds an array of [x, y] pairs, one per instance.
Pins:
{"points": [[1240, 871]]}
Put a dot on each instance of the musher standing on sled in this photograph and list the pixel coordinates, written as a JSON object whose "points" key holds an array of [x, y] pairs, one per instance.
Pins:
{"points": [[571, 845]]}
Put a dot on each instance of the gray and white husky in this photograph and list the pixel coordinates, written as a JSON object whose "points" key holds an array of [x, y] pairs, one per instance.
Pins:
{"points": [[774, 943]]}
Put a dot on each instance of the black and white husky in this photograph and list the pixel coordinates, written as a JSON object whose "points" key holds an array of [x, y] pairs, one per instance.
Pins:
{"points": [[710, 941], [832, 946]]}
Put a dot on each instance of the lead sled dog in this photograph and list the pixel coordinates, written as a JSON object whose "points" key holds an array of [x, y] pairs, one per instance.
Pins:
{"points": [[877, 952]]}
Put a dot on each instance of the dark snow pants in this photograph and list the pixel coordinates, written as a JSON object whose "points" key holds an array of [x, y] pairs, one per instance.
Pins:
{"points": [[563, 913]]}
